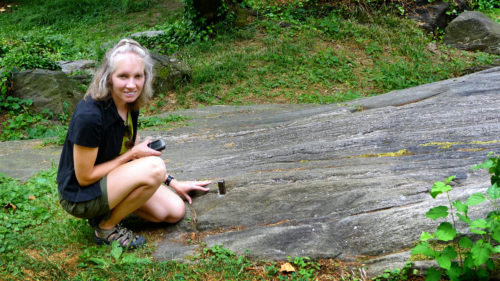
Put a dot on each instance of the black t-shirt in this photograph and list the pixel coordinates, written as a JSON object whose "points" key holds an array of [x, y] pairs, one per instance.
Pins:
{"points": [[93, 124]]}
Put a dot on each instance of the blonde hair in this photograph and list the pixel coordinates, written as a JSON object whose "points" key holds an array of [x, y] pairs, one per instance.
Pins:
{"points": [[99, 88]]}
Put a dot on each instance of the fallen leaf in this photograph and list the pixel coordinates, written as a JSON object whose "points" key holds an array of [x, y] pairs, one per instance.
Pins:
{"points": [[10, 206], [31, 197], [287, 267]]}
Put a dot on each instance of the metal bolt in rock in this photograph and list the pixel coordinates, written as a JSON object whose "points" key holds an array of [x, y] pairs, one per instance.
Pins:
{"points": [[222, 187]]}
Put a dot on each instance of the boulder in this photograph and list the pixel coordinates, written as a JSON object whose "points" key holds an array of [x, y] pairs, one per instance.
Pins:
{"points": [[48, 89], [85, 67], [169, 71], [148, 34], [474, 31], [431, 15]]}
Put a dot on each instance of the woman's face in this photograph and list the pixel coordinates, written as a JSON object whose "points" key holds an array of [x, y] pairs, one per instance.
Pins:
{"points": [[127, 80]]}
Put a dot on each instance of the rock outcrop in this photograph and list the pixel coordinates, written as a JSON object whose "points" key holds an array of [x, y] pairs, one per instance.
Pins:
{"points": [[349, 181], [473, 31], [48, 89], [168, 72], [432, 15]]}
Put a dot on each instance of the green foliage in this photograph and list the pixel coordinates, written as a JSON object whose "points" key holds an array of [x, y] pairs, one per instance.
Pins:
{"points": [[397, 274], [475, 258], [19, 211], [177, 33], [307, 269], [222, 259], [64, 13], [484, 5], [30, 125], [155, 121]]}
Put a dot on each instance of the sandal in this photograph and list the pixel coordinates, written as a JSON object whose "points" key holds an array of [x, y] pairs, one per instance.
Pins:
{"points": [[125, 237]]}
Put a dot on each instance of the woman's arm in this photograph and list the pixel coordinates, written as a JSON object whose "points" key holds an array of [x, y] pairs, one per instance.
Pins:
{"points": [[87, 172]]}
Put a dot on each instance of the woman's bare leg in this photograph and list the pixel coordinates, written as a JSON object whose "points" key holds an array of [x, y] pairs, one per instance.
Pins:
{"points": [[164, 206], [131, 185]]}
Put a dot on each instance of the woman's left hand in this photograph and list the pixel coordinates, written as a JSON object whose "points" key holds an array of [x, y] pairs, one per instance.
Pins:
{"points": [[184, 187]]}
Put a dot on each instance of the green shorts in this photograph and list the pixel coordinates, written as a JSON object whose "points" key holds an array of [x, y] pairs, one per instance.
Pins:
{"points": [[98, 207]]}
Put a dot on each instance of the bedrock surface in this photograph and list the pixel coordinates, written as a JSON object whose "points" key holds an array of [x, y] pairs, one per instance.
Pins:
{"points": [[349, 181]]}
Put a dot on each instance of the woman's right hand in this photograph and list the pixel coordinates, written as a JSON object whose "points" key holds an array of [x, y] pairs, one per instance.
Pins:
{"points": [[143, 150]]}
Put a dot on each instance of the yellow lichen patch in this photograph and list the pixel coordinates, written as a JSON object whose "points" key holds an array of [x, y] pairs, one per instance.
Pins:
{"points": [[485, 142], [471, 149], [401, 152], [442, 145], [446, 145]]}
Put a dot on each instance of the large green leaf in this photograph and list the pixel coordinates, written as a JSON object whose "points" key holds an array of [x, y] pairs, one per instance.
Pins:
{"points": [[474, 199], [447, 255], [432, 274], [443, 261], [445, 232], [494, 191], [465, 243], [116, 250], [437, 212], [480, 253], [438, 188], [476, 226], [464, 218], [454, 272], [449, 252], [450, 178], [479, 223], [423, 248], [496, 231], [496, 250], [485, 165], [426, 236], [461, 207]]}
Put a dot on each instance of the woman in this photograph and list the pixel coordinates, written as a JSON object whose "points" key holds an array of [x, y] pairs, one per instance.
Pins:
{"points": [[102, 175]]}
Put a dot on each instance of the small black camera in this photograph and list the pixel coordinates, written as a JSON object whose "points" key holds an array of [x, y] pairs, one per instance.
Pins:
{"points": [[158, 145]]}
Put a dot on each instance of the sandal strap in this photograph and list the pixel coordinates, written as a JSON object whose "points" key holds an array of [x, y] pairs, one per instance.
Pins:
{"points": [[124, 236]]}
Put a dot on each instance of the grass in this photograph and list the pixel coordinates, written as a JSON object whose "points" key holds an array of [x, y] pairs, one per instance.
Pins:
{"points": [[323, 59]]}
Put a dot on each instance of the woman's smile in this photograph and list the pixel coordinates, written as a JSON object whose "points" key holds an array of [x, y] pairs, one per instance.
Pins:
{"points": [[127, 80]]}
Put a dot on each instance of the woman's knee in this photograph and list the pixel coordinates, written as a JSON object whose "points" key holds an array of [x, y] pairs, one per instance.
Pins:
{"points": [[155, 170], [177, 210]]}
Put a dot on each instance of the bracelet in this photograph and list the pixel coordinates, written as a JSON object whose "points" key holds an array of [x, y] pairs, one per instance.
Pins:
{"points": [[168, 180]]}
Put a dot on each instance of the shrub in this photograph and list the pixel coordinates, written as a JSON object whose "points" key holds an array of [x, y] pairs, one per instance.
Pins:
{"points": [[463, 258]]}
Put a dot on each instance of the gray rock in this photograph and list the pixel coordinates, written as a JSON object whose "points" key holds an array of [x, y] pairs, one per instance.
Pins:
{"points": [[168, 72], [473, 31], [431, 15], [48, 89], [78, 67], [149, 34], [347, 181]]}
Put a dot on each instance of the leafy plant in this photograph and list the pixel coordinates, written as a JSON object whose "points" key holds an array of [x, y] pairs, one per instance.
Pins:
{"points": [[462, 258], [19, 213], [397, 274], [484, 5], [155, 121]]}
